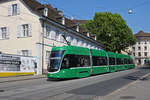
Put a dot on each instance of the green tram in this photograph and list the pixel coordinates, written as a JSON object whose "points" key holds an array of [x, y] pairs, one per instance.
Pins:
{"points": [[79, 62]]}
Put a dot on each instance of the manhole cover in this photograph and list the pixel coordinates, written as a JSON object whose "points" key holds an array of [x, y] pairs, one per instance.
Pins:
{"points": [[127, 97], [1, 90]]}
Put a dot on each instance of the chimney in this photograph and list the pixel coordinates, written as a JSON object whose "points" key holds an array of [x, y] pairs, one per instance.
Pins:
{"points": [[95, 37], [72, 18], [55, 9], [63, 17], [78, 28], [88, 34], [60, 13], [45, 12], [63, 20]]}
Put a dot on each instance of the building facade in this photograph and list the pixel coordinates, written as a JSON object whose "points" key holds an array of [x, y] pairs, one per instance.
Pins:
{"points": [[141, 50], [31, 29]]}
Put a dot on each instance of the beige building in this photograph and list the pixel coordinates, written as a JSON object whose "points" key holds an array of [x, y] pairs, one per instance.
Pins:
{"points": [[141, 50], [31, 29]]}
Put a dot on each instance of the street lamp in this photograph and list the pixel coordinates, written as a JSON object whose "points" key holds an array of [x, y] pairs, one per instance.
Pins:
{"points": [[130, 11]]}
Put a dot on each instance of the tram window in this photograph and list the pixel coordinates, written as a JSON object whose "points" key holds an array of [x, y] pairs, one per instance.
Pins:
{"points": [[119, 61], [125, 61], [122, 61], [65, 62], [99, 61], [130, 61], [70, 61], [111, 61]]}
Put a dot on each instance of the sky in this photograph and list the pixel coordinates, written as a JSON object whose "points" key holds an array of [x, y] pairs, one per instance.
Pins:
{"points": [[85, 9]]}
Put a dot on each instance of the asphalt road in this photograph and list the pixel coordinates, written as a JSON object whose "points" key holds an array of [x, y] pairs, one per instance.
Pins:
{"points": [[91, 88]]}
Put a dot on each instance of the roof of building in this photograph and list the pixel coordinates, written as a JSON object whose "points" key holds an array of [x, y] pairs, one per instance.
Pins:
{"points": [[53, 14], [56, 15], [142, 34], [79, 21]]}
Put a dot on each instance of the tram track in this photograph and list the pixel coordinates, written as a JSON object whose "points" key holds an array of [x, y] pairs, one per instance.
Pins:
{"points": [[77, 89]]}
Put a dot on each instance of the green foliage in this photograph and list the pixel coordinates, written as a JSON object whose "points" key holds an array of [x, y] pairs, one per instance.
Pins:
{"points": [[111, 30]]}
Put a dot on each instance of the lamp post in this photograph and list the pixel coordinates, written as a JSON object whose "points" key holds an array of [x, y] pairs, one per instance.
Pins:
{"points": [[43, 49], [45, 13]]}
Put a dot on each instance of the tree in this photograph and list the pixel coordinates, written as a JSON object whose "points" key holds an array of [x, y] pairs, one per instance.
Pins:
{"points": [[111, 30]]}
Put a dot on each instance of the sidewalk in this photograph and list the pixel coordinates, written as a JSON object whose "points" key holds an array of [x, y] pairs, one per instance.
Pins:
{"points": [[21, 78], [139, 90]]}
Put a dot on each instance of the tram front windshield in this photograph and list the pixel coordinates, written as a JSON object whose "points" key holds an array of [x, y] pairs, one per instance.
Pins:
{"points": [[55, 60]]}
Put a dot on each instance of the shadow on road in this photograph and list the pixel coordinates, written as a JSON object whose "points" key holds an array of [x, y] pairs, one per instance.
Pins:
{"points": [[127, 97], [132, 77], [144, 67], [58, 79]]}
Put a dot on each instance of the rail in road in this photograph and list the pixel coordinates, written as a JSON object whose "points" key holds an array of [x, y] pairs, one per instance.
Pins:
{"points": [[76, 89]]}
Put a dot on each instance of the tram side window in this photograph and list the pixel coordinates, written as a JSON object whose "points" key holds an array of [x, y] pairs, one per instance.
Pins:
{"points": [[111, 61], [65, 62], [125, 61], [119, 61], [130, 61], [99, 61], [70, 61]]}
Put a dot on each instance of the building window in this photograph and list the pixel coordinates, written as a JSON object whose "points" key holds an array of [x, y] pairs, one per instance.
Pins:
{"points": [[133, 54], [139, 61], [57, 35], [133, 48], [145, 54], [61, 39], [68, 38], [3, 33], [25, 52], [139, 48], [139, 43], [13, 10], [139, 54], [47, 31], [145, 48], [47, 56], [79, 42], [25, 30], [74, 41]]}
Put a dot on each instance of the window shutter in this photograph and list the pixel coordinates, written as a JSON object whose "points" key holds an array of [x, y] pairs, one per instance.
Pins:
{"points": [[45, 31], [7, 32], [18, 9], [30, 29], [0, 33], [19, 34], [9, 10]]}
